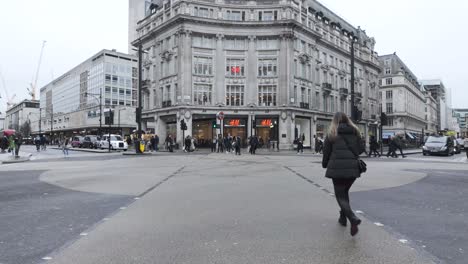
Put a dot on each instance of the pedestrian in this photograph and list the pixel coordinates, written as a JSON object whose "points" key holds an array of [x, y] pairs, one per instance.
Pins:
{"points": [[220, 144], [11, 145], [169, 143], [342, 148], [373, 145], [187, 143], [466, 146], [399, 145], [213, 144], [156, 143], [300, 145], [153, 143], [253, 145], [391, 147], [238, 145], [65, 146]]}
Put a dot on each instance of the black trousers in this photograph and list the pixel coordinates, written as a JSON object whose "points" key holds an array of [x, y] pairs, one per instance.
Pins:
{"points": [[342, 187]]}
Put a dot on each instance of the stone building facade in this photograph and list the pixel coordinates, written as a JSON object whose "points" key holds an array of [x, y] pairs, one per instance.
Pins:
{"points": [[26, 111], [402, 99], [278, 69]]}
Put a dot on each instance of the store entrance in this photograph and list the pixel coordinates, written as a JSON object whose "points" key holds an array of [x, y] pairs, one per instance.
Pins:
{"points": [[266, 131], [203, 133], [236, 127]]}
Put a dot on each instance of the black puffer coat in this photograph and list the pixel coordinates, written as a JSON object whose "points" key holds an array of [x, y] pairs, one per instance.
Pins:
{"points": [[338, 159]]}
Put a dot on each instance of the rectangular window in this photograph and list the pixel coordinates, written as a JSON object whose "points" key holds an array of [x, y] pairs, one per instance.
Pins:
{"points": [[267, 95], [388, 71], [202, 94], [389, 95], [267, 15], [389, 108], [203, 12], [235, 95], [203, 66], [235, 15], [389, 81], [235, 67], [203, 42], [267, 43], [267, 67], [235, 44]]}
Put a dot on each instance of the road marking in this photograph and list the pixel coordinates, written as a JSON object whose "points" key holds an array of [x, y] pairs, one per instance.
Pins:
{"points": [[123, 208], [378, 224], [46, 258], [404, 241], [359, 212], [83, 234], [137, 198]]}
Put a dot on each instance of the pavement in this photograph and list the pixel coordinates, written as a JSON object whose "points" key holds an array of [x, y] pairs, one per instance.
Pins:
{"points": [[222, 208]]}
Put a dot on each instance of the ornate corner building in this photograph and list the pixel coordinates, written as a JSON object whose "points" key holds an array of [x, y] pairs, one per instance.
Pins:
{"points": [[278, 69]]}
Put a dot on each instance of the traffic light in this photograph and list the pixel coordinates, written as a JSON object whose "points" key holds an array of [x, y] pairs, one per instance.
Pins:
{"points": [[383, 119], [213, 124], [109, 118], [183, 125]]}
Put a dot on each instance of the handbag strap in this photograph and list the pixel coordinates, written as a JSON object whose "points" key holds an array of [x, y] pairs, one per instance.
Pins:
{"points": [[349, 147]]}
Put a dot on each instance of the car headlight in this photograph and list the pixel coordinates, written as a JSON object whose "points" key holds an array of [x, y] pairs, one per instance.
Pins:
{"points": [[424, 147], [443, 148]]}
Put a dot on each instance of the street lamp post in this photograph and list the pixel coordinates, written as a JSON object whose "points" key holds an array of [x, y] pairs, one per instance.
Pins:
{"points": [[100, 108], [353, 110]]}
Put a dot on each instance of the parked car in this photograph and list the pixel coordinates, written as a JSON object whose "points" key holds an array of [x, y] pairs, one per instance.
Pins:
{"points": [[77, 142], [116, 141], [456, 147], [91, 142], [438, 145]]}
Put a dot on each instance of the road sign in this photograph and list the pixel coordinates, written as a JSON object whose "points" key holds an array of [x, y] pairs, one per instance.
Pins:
{"points": [[220, 115]]}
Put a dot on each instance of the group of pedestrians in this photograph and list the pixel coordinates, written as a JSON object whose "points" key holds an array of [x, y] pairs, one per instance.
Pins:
{"points": [[395, 143], [229, 144], [12, 143], [41, 143]]}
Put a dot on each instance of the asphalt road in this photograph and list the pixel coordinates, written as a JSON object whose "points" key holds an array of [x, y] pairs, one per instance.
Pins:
{"points": [[37, 218], [221, 208], [432, 212]]}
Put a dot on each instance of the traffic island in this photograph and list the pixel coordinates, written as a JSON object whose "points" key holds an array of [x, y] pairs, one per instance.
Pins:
{"points": [[16, 159]]}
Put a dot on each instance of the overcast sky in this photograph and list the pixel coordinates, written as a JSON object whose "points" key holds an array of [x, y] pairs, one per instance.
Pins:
{"points": [[430, 36]]}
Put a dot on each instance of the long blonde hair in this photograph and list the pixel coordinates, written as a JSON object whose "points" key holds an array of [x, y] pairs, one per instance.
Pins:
{"points": [[340, 118]]}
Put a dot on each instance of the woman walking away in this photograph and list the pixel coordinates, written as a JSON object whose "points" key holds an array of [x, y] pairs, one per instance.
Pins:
{"points": [[342, 147], [65, 147]]}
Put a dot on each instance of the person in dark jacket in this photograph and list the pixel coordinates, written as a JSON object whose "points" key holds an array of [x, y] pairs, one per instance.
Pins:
{"points": [[342, 147], [392, 148], [399, 145], [374, 145]]}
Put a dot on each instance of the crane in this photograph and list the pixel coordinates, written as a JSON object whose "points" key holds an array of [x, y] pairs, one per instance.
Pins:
{"points": [[32, 91], [9, 100]]}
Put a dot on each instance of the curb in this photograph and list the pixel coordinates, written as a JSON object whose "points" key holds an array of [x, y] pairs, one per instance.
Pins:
{"points": [[17, 160]]}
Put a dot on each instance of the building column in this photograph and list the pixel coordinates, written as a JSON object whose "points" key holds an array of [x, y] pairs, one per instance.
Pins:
{"points": [[185, 51], [251, 85], [219, 89], [284, 69]]}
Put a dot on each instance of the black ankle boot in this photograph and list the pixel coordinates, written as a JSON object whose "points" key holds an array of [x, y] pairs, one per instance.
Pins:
{"points": [[354, 225], [342, 219]]}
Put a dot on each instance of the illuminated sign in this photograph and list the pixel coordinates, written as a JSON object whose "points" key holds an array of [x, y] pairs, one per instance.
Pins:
{"points": [[234, 122], [235, 69], [266, 122]]}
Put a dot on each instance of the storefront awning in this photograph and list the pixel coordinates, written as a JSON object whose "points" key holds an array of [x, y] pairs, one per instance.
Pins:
{"points": [[409, 135]]}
